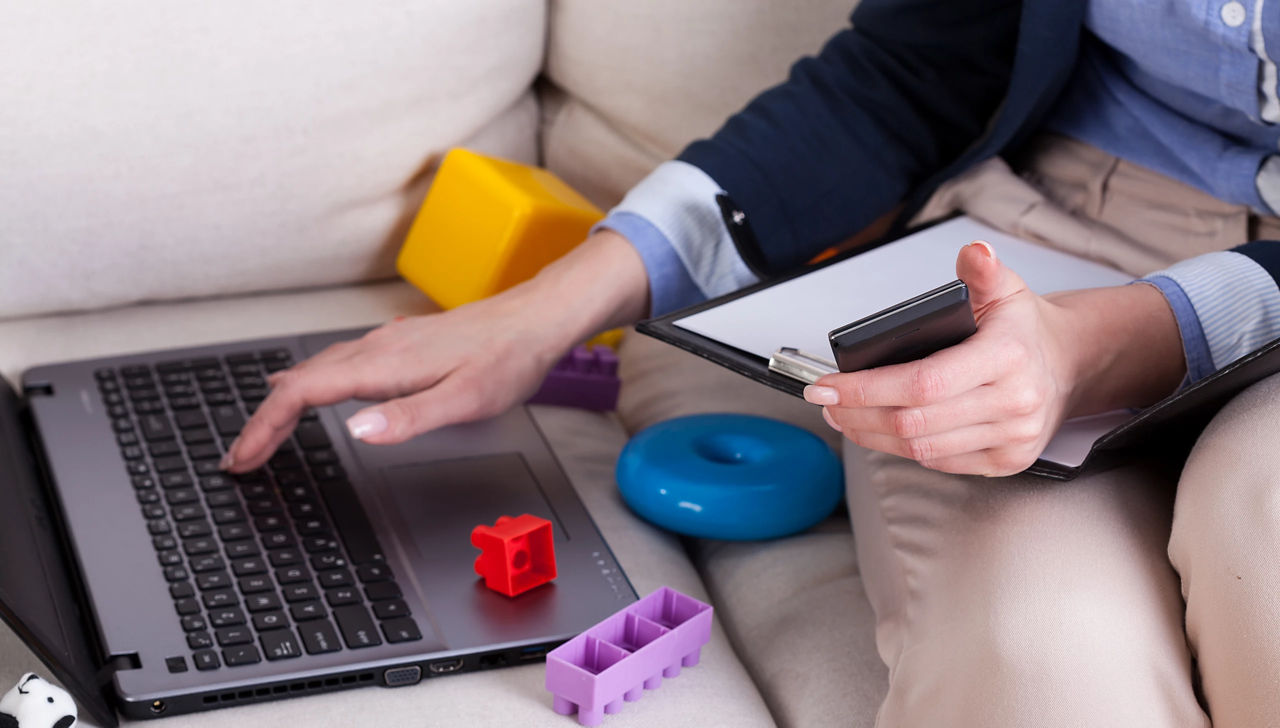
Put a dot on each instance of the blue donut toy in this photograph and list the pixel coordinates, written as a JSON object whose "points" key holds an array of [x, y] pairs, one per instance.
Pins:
{"points": [[729, 476]]}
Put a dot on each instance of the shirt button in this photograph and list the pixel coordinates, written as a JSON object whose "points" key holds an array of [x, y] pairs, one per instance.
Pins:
{"points": [[1233, 14]]}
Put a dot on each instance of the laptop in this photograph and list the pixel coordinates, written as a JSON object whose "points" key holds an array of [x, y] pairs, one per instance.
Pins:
{"points": [[154, 584]]}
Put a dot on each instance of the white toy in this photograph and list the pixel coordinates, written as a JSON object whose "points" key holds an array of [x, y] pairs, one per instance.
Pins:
{"points": [[36, 703]]}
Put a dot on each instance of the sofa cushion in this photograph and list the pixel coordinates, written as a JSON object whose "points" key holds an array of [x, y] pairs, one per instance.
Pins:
{"points": [[192, 149], [718, 691], [634, 82], [795, 608]]}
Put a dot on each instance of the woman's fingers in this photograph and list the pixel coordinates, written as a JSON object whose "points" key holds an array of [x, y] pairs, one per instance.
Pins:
{"points": [[1014, 437]]}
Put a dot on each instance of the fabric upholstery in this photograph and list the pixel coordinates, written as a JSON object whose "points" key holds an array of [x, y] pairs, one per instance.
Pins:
{"points": [[633, 83], [156, 152]]}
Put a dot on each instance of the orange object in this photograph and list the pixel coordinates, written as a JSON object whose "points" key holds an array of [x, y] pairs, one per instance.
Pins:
{"points": [[516, 554], [488, 224]]}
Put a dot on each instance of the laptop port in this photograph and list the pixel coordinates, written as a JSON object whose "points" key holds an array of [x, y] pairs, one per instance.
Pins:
{"points": [[445, 666], [157, 706], [536, 652], [400, 676]]}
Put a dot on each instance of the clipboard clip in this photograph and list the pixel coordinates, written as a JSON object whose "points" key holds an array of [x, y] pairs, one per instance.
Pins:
{"points": [[800, 365]]}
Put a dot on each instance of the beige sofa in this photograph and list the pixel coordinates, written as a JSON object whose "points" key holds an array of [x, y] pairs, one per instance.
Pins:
{"points": [[175, 174]]}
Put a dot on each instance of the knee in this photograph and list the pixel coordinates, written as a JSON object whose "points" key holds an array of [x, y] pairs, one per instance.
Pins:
{"points": [[1226, 497]]}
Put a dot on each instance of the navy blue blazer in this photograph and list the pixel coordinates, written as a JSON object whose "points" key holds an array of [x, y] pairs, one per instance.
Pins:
{"points": [[914, 93]]}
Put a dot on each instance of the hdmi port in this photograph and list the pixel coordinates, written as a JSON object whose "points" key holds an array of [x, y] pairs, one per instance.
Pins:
{"points": [[444, 666]]}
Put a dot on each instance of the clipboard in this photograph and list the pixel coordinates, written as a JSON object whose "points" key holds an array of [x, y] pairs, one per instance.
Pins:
{"points": [[1088, 443]]}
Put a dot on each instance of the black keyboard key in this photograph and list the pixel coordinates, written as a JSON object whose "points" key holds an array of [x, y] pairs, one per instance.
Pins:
{"points": [[329, 472], [391, 610], [315, 526], [194, 529], [284, 557], [132, 452], [213, 580], [211, 483], [322, 457], [278, 540], [220, 599], [227, 420], [155, 427], [187, 606], [148, 496], [263, 621], [206, 660], [181, 590], [401, 630], [211, 385], [294, 485], [304, 508], [170, 558], [197, 436], [228, 636], [194, 623], [178, 496], [293, 575], [351, 522], [207, 467], [152, 511], [198, 546], [255, 584], [342, 596], [162, 448], [199, 640], [249, 567], [254, 395], [201, 564], [148, 407], [104, 374], [170, 464], [373, 572], [184, 403], [280, 645], [242, 357], [318, 544], [235, 532], [175, 365], [382, 590], [324, 562], [127, 438], [178, 387], [335, 577], [190, 419], [137, 468], [175, 573], [357, 627], [300, 593], [242, 655], [264, 506], [285, 460], [302, 611], [164, 543], [319, 637], [223, 516], [228, 617], [242, 550], [219, 398], [188, 512], [269, 523], [176, 480], [262, 602], [221, 499], [311, 436], [204, 451], [158, 527], [174, 664]]}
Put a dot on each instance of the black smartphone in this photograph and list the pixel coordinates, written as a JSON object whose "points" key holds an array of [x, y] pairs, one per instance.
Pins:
{"points": [[907, 331]]}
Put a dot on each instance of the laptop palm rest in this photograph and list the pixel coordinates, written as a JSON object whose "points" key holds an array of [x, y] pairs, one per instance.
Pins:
{"points": [[434, 506]]}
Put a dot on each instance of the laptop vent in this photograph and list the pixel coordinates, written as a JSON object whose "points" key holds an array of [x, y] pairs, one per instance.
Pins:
{"points": [[277, 690]]}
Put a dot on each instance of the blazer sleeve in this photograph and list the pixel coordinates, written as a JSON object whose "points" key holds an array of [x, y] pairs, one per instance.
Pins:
{"points": [[884, 104]]}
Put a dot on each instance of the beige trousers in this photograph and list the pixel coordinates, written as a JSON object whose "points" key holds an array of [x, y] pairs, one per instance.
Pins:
{"points": [[1138, 596]]}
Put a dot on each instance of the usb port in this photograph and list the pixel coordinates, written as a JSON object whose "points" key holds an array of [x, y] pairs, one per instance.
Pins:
{"points": [[535, 652], [444, 666]]}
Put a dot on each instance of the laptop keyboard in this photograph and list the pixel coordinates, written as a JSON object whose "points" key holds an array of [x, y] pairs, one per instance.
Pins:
{"points": [[271, 564]]}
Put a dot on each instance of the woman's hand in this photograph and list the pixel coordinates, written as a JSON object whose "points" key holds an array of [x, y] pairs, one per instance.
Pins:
{"points": [[990, 404], [466, 364]]}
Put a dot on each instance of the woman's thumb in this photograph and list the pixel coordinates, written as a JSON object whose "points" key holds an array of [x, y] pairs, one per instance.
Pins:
{"points": [[987, 278]]}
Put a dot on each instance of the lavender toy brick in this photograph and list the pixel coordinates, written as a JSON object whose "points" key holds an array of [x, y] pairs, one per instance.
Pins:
{"points": [[626, 654], [586, 377]]}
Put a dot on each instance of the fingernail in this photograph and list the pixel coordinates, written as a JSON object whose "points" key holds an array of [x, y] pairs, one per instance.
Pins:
{"points": [[816, 394], [991, 252], [826, 415], [228, 460], [365, 424]]}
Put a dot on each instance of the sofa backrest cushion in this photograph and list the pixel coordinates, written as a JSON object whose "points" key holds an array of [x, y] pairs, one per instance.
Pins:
{"points": [[170, 150], [634, 82]]}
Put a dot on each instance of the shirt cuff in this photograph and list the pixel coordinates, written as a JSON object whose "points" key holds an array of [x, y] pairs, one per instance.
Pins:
{"points": [[678, 201], [1236, 304], [1194, 346], [670, 286]]}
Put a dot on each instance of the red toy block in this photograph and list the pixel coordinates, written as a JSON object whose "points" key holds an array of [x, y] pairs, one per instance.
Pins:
{"points": [[516, 554]]}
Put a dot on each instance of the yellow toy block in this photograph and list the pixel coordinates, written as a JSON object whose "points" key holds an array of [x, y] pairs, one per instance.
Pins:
{"points": [[488, 224]]}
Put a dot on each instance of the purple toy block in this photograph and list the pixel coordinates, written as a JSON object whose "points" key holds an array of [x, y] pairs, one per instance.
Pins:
{"points": [[586, 378], [626, 654]]}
